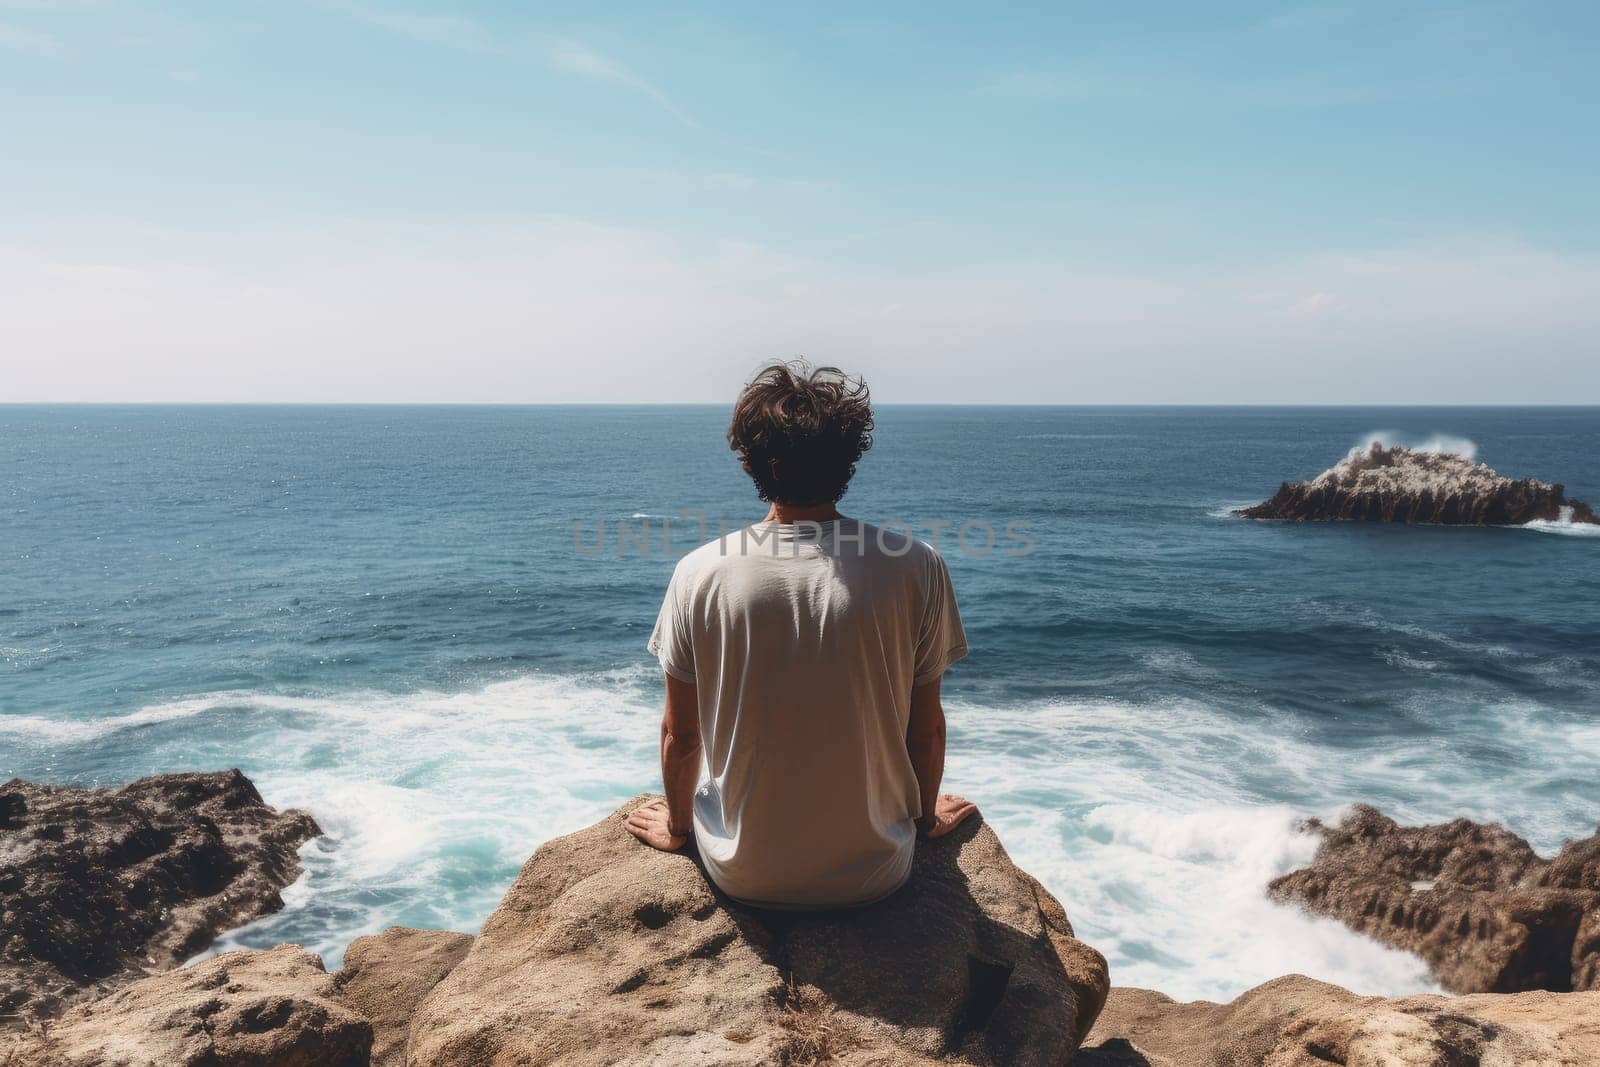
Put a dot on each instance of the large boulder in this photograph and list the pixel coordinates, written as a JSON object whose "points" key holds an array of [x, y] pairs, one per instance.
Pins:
{"points": [[608, 952], [100, 886], [1476, 902], [385, 977], [1397, 484], [240, 1009], [1298, 1022]]}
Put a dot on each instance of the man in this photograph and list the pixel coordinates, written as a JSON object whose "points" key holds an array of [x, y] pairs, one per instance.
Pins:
{"points": [[803, 656]]}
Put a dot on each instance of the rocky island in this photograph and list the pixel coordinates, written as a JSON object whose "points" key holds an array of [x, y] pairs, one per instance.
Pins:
{"points": [[1394, 483], [605, 951]]}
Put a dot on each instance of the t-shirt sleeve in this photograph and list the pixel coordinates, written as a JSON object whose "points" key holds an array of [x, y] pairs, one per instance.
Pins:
{"points": [[671, 641], [941, 640]]}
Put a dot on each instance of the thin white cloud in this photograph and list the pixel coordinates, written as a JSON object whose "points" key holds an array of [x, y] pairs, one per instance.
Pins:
{"points": [[562, 54], [1201, 93], [731, 181], [1307, 18], [807, 185], [722, 181], [445, 31], [52, 7], [1313, 304], [21, 39], [572, 57]]}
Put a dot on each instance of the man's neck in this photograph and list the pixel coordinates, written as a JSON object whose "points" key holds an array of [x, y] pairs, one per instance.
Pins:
{"points": [[792, 513]]}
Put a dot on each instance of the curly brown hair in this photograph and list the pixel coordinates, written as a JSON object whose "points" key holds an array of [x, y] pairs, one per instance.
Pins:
{"points": [[800, 430]]}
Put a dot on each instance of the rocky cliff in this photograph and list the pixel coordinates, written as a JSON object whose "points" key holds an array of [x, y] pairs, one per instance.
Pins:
{"points": [[608, 952], [605, 951], [1487, 913], [1397, 484], [98, 886]]}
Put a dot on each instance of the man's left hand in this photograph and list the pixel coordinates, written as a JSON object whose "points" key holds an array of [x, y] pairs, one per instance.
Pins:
{"points": [[950, 812], [651, 824]]}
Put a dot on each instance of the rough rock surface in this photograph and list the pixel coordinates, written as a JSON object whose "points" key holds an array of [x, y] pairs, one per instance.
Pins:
{"points": [[1397, 484], [386, 976], [608, 952], [1474, 901], [99, 886], [1298, 1022], [240, 1009]]}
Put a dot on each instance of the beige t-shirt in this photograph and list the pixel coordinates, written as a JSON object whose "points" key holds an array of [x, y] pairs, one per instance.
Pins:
{"points": [[804, 642]]}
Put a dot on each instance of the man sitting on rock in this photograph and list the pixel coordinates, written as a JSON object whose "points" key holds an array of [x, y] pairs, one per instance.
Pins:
{"points": [[803, 656]]}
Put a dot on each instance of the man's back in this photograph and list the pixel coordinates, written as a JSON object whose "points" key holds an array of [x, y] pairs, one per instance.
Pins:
{"points": [[804, 643]]}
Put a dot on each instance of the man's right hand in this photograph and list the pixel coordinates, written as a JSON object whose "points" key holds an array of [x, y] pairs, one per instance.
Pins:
{"points": [[949, 812], [651, 824]]}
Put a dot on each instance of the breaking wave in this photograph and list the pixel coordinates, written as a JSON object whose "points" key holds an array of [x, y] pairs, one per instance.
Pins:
{"points": [[1563, 525], [1438, 444], [432, 800], [1158, 825]]}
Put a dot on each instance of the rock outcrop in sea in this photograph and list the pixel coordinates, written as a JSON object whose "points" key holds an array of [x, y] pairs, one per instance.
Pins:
{"points": [[1397, 484], [1476, 902], [99, 886]]}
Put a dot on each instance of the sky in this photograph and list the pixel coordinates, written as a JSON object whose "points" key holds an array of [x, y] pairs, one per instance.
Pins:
{"points": [[322, 200]]}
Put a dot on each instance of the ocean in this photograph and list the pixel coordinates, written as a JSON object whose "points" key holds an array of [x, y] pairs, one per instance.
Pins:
{"points": [[404, 619]]}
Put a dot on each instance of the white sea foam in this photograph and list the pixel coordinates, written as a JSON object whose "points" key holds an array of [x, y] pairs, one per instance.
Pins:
{"points": [[1562, 525], [1210, 865], [430, 800], [21, 656], [1446, 445], [77, 731], [1439, 444], [1158, 826], [1376, 621], [1395, 658], [1143, 820]]}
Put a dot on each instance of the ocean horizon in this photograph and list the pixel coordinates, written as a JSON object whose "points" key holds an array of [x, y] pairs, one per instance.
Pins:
{"points": [[399, 617]]}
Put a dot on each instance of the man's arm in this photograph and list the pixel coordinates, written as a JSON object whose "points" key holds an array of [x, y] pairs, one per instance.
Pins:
{"points": [[681, 751], [667, 826], [925, 745]]}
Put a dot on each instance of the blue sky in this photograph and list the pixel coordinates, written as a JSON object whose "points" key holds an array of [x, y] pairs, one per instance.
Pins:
{"points": [[1339, 202]]}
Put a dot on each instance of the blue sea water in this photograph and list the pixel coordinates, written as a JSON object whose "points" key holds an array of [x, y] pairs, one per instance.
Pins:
{"points": [[384, 615]]}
